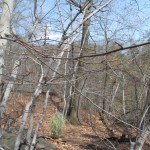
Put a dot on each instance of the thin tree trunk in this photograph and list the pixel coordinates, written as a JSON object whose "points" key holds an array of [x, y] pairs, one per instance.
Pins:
{"points": [[142, 138], [26, 111], [145, 125], [40, 121], [7, 92], [68, 89]]}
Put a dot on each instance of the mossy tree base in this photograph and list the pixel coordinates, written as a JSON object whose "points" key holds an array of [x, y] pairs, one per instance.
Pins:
{"points": [[73, 118]]}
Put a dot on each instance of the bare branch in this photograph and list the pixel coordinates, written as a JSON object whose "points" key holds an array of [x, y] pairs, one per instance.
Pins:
{"points": [[114, 51]]}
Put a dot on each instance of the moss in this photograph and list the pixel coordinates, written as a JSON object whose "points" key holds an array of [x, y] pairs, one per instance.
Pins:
{"points": [[73, 120], [9, 140]]}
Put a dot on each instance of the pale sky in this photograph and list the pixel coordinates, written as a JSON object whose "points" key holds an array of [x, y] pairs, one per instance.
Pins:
{"points": [[125, 19]]}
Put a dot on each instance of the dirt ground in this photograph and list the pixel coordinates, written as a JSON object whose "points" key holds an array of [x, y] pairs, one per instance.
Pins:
{"points": [[91, 134]]}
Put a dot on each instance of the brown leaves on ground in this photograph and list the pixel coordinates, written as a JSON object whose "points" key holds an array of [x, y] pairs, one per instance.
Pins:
{"points": [[91, 134]]}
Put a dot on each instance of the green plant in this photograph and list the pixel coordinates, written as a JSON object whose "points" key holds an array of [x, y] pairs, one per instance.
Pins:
{"points": [[57, 125]]}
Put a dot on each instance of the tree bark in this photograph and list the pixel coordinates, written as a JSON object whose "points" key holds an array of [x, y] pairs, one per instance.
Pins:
{"points": [[142, 138], [33, 144], [68, 88], [7, 92], [145, 122], [7, 9], [26, 111], [81, 67]]}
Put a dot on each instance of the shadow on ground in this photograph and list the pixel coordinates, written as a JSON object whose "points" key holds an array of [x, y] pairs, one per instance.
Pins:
{"points": [[99, 143]]}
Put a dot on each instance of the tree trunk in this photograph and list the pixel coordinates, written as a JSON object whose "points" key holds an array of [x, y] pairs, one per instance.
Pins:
{"points": [[81, 68], [145, 122], [142, 138], [68, 88], [26, 111], [7, 8], [33, 144], [5, 96]]}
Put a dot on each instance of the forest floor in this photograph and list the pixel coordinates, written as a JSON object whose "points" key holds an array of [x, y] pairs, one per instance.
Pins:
{"points": [[91, 134]]}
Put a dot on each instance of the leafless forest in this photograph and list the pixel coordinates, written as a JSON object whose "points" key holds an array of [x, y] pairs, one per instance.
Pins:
{"points": [[73, 66]]}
